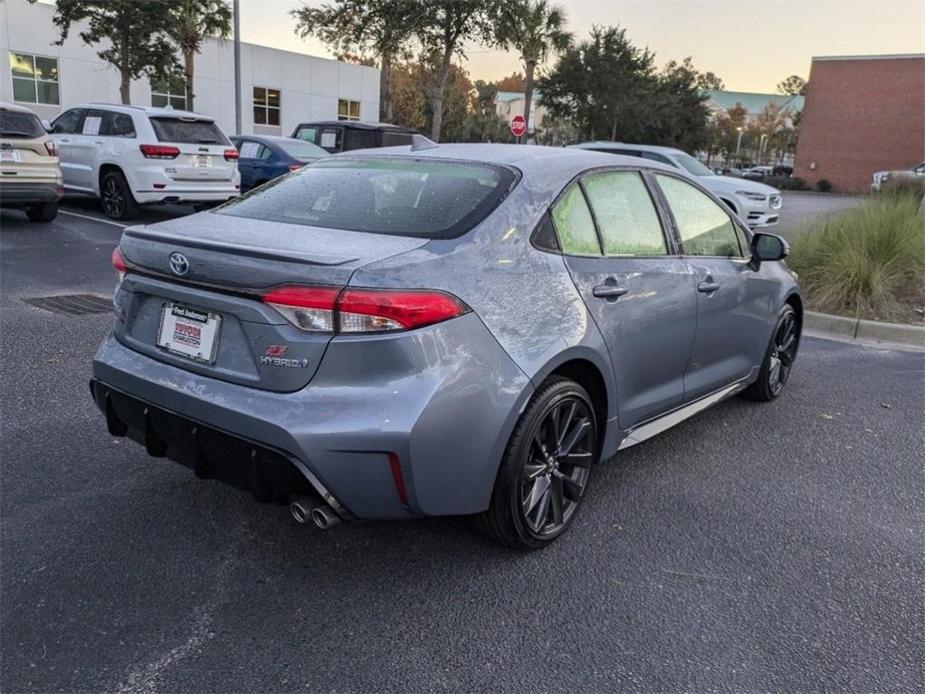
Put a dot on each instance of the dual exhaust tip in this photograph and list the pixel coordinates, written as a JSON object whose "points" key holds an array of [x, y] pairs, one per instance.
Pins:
{"points": [[305, 509]]}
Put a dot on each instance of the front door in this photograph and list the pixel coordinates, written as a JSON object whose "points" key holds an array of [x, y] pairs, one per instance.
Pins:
{"points": [[86, 146], [640, 295], [63, 132], [735, 303]]}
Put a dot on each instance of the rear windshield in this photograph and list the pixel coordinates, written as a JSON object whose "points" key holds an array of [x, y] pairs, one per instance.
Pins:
{"points": [[17, 124], [299, 149], [401, 197], [192, 132]]}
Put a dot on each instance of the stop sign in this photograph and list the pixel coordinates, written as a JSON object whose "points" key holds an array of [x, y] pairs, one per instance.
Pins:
{"points": [[518, 126]]}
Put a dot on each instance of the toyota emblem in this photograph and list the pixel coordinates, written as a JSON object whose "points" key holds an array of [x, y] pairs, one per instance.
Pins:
{"points": [[179, 265]]}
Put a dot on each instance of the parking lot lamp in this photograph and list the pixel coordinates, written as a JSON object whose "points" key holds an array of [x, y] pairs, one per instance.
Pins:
{"points": [[237, 66], [738, 143]]}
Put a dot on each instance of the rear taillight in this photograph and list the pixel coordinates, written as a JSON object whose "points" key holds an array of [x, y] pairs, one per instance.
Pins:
{"points": [[295, 167], [118, 262], [328, 309], [231, 155], [159, 151], [51, 148]]}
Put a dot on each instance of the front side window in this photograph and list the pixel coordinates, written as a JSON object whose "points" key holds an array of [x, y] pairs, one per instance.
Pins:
{"points": [[68, 122], [705, 227], [692, 166], [625, 214], [266, 106], [307, 134], [35, 78], [348, 110], [170, 92], [400, 197], [574, 224], [655, 156]]}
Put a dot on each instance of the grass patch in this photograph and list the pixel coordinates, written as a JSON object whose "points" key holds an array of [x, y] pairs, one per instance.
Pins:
{"points": [[868, 262]]}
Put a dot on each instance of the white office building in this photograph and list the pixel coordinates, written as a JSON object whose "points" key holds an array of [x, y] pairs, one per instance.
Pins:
{"points": [[279, 89]]}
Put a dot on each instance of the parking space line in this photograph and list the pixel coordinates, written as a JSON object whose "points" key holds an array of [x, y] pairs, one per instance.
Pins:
{"points": [[94, 219]]}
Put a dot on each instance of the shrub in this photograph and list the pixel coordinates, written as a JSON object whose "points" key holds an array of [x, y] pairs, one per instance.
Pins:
{"points": [[905, 186], [824, 185], [786, 182], [865, 261]]}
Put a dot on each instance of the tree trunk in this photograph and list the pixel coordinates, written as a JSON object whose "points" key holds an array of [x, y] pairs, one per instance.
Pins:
{"points": [[126, 79], [125, 89], [528, 97], [436, 99], [189, 71], [385, 87]]}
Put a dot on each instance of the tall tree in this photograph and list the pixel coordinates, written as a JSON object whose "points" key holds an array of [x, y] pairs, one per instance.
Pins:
{"points": [[680, 113], [412, 106], [534, 28], [445, 25], [512, 83], [792, 85], [136, 34], [380, 27], [192, 22]]}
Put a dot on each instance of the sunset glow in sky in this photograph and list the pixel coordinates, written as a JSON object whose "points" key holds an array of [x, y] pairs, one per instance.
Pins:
{"points": [[750, 44]]}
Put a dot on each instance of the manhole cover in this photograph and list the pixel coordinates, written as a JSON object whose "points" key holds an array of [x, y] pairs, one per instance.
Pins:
{"points": [[73, 304]]}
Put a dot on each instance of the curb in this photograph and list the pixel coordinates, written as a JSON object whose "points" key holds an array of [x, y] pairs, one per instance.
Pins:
{"points": [[859, 330]]}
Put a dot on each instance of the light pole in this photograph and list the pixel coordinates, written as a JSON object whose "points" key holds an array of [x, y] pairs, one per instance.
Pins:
{"points": [[237, 66], [738, 141]]}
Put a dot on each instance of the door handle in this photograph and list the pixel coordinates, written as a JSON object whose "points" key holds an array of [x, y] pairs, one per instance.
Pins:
{"points": [[63, 140], [708, 286], [609, 291]]}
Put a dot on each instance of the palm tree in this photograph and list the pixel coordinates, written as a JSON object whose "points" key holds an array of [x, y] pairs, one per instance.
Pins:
{"points": [[534, 28], [193, 21]]}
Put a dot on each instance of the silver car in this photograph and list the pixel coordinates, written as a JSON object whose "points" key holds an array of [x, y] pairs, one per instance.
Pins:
{"points": [[432, 330]]}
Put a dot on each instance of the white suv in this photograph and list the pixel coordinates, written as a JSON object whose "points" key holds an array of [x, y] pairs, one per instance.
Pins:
{"points": [[134, 155], [757, 204]]}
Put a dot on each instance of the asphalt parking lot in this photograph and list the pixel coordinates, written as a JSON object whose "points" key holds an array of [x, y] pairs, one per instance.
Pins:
{"points": [[754, 547], [803, 208]]}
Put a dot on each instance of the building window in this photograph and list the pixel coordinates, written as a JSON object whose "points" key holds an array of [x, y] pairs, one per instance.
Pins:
{"points": [[35, 78], [348, 110], [170, 92], [266, 106]]}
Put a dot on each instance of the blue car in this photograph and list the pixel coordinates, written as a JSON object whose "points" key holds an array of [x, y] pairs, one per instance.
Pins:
{"points": [[263, 158]]}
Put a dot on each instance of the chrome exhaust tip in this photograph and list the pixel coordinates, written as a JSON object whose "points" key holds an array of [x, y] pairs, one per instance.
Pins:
{"points": [[324, 517], [301, 508]]}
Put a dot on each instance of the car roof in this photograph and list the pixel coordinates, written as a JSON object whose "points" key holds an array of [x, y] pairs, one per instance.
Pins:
{"points": [[358, 125], [15, 108], [150, 111], [603, 144], [268, 139], [529, 159]]}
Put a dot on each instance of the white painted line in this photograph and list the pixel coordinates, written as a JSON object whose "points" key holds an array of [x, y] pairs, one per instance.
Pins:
{"points": [[94, 219]]}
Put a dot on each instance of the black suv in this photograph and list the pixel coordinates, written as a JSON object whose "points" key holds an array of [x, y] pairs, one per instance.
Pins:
{"points": [[340, 136]]}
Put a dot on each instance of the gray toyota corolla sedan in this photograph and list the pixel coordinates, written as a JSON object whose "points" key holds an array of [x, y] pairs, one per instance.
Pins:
{"points": [[431, 330]]}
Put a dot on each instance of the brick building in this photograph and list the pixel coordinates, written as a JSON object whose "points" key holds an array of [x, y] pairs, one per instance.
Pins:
{"points": [[862, 114]]}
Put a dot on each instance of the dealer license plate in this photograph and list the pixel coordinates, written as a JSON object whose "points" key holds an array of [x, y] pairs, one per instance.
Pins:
{"points": [[201, 161], [189, 332], [10, 155]]}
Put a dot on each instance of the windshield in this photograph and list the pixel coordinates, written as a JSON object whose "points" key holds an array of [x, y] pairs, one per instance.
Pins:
{"points": [[692, 165], [17, 124], [299, 149], [401, 197], [191, 132]]}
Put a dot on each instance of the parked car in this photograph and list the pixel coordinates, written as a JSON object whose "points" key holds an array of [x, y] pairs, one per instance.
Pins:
{"points": [[341, 136], [136, 155], [30, 176], [782, 170], [881, 177], [757, 172], [756, 203], [457, 329], [262, 158]]}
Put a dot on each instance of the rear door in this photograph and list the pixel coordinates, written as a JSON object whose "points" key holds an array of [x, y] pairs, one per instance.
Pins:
{"points": [[639, 292], [202, 147], [736, 305], [249, 162]]}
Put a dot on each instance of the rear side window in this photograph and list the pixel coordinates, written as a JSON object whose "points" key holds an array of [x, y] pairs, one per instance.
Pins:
{"points": [[193, 132], [17, 124], [705, 227], [574, 224], [393, 139], [625, 214], [401, 197], [117, 125]]}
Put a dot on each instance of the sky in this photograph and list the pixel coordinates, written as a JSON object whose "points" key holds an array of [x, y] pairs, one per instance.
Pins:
{"points": [[750, 44]]}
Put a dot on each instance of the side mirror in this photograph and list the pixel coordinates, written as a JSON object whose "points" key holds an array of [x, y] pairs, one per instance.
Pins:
{"points": [[46, 125], [769, 247]]}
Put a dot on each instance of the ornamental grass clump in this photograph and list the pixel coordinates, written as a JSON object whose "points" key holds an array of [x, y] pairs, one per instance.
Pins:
{"points": [[869, 262]]}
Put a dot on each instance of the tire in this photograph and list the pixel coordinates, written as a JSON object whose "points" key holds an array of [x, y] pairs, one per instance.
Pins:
{"points": [[537, 492], [778, 359], [116, 197], [45, 212]]}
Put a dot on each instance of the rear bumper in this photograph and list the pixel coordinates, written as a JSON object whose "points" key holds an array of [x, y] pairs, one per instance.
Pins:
{"points": [[444, 399], [178, 194], [151, 184], [21, 194]]}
